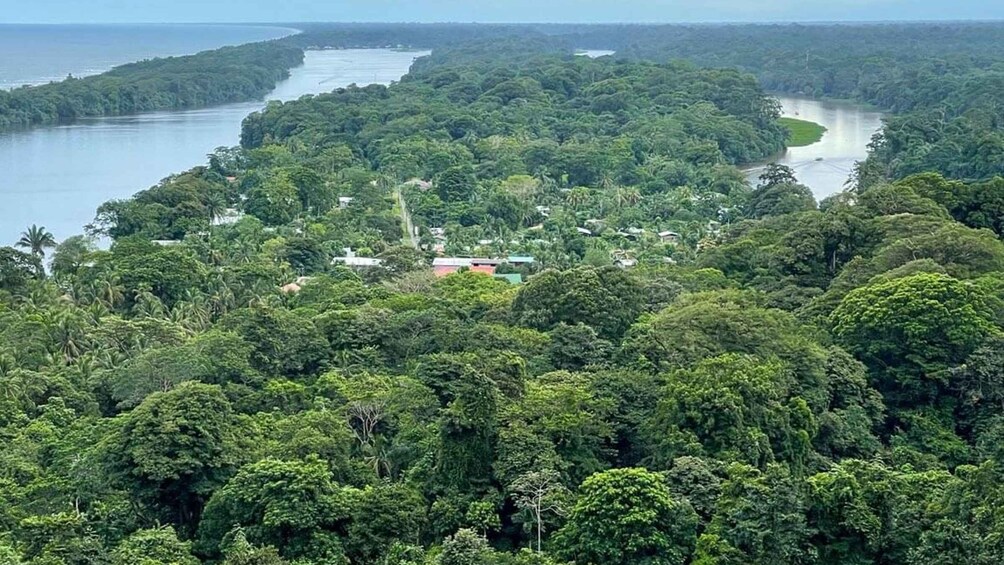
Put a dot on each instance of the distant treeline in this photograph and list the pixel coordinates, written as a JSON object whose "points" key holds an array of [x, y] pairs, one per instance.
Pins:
{"points": [[230, 74], [841, 61], [943, 82], [426, 36]]}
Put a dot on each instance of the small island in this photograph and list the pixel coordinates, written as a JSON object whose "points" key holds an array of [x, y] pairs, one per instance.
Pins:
{"points": [[802, 132]]}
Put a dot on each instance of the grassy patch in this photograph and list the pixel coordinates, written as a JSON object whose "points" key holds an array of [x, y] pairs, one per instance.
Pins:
{"points": [[801, 132]]}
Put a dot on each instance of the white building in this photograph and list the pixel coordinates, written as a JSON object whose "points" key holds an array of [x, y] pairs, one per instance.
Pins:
{"points": [[351, 260]]}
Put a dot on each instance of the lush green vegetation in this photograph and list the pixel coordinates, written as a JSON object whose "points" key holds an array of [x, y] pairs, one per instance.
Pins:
{"points": [[942, 80], [761, 378], [230, 74], [801, 132]]}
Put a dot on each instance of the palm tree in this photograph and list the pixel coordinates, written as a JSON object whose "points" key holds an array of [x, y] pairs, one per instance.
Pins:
{"points": [[37, 240], [109, 291], [625, 197], [216, 205], [577, 198], [69, 336], [147, 305]]}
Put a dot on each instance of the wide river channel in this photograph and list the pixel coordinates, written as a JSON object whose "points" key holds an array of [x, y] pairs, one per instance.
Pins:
{"points": [[825, 166], [57, 176]]}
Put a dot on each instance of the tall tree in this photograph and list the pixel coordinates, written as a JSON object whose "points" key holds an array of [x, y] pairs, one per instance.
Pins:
{"points": [[628, 516], [36, 239], [540, 493]]}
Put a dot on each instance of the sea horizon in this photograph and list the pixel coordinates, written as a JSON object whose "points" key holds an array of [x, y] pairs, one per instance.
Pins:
{"points": [[42, 53]]}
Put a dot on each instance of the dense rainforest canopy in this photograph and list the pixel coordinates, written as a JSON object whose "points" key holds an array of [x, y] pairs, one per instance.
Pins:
{"points": [[941, 80], [263, 367]]}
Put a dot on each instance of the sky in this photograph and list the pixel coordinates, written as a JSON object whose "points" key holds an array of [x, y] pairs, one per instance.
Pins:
{"points": [[178, 11]]}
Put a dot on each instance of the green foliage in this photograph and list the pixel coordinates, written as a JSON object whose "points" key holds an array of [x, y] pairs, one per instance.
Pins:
{"points": [[383, 515], [241, 552], [284, 342], [760, 519], [732, 408], [230, 74], [275, 200], [159, 546], [176, 448], [605, 299], [805, 384], [290, 505], [628, 516], [17, 269], [465, 548], [911, 330]]}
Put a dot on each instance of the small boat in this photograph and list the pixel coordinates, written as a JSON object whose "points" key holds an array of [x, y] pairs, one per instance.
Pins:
{"points": [[819, 158]]}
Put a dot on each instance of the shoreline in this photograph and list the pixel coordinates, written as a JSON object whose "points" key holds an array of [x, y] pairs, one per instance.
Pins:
{"points": [[282, 32], [867, 106]]}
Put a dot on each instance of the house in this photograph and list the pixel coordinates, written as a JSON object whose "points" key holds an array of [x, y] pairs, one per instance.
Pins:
{"points": [[438, 233], [626, 262], [635, 231], [351, 260], [622, 259], [167, 242], [544, 211], [358, 262], [669, 237], [519, 260], [419, 183], [442, 266], [457, 262], [344, 201], [484, 269], [296, 286], [583, 231], [228, 217]]}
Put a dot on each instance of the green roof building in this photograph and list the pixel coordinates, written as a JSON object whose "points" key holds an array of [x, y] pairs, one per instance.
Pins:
{"points": [[514, 278]]}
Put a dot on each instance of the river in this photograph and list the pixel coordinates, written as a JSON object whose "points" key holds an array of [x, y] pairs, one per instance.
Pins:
{"points": [[57, 176], [826, 165]]}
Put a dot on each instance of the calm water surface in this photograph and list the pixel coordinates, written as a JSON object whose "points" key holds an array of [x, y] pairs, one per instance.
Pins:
{"points": [[57, 177], [825, 166]]}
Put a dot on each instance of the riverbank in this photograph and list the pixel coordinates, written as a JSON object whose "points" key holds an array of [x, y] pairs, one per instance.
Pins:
{"points": [[802, 133], [222, 76], [58, 176], [826, 165], [37, 54]]}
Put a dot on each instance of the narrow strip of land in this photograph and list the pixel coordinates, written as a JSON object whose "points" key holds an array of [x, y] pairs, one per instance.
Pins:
{"points": [[802, 132], [410, 237]]}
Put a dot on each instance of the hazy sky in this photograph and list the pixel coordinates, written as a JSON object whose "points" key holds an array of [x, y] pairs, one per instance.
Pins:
{"points": [[70, 11]]}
